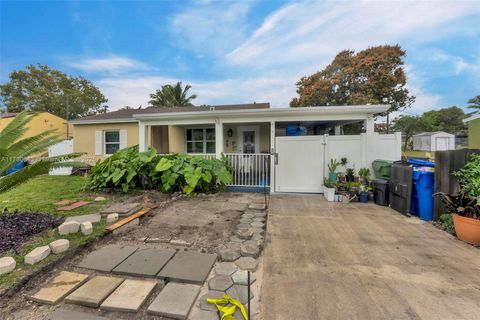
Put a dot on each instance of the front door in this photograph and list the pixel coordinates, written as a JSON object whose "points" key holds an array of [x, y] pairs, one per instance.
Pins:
{"points": [[300, 164], [248, 141]]}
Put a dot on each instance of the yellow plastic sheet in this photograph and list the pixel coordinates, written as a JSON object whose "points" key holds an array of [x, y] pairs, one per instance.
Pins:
{"points": [[228, 306]]}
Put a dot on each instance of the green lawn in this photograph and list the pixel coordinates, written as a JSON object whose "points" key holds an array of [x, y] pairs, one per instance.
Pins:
{"points": [[40, 195]]}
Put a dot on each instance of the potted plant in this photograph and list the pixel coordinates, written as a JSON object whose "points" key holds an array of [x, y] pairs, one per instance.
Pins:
{"points": [[329, 189], [364, 194], [465, 205], [350, 175], [332, 169], [364, 174]]}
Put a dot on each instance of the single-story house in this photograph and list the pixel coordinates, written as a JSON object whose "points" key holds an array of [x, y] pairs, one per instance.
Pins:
{"points": [[433, 141], [42, 122], [473, 123], [284, 149]]}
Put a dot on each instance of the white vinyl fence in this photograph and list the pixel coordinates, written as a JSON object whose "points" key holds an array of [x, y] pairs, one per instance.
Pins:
{"points": [[61, 148]]}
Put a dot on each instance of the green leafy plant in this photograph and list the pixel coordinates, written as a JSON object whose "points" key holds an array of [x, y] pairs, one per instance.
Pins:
{"points": [[343, 161], [350, 174], [15, 148], [469, 177], [327, 183], [333, 165], [129, 169], [446, 222], [461, 204], [364, 173]]}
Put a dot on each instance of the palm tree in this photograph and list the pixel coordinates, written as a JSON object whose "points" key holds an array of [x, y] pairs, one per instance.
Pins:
{"points": [[14, 149], [172, 96], [474, 103]]}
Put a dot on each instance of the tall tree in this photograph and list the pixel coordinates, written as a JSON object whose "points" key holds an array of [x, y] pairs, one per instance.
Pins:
{"points": [[39, 88], [409, 125], [374, 75], [172, 96], [474, 103], [446, 119]]}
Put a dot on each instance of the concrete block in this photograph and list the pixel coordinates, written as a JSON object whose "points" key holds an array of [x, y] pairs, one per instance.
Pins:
{"points": [[225, 268], [180, 242], [7, 264], [188, 266], [94, 292], [100, 199], [68, 227], [241, 277], [112, 217], [145, 262], [61, 286], [220, 283], [212, 294], [86, 228], [122, 209], [175, 300], [107, 258], [158, 240], [93, 218], [129, 296], [37, 255], [63, 314], [247, 263], [59, 246]]}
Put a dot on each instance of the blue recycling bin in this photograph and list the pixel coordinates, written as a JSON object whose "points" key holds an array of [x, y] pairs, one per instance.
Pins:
{"points": [[422, 195]]}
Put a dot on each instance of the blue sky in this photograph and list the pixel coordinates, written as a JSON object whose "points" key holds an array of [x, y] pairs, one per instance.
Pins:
{"points": [[241, 51]]}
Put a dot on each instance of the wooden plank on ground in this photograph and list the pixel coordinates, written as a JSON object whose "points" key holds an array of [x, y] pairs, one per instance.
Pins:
{"points": [[128, 219]]}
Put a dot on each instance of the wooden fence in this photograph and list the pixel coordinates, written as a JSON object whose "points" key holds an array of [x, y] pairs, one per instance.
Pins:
{"points": [[446, 162]]}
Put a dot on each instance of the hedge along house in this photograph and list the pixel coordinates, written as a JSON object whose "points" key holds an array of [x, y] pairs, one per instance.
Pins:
{"points": [[283, 149]]}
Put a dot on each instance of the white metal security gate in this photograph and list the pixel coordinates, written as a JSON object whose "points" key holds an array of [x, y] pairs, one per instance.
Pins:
{"points": [[300, 164]]}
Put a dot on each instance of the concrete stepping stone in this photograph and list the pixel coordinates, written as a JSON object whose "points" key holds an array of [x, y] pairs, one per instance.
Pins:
{"points": [[123, 209], [129, 296], [74, 206], [234, 245], [63, 314], [248, 215], [244, 234], [7, 264], [240, 293], [225, 268], [243, 226], [212, 294], [188, 266], [236, 239], [241, 277], [257, 206], [93, 218], [247, 263], [59, 246], [260, 215], [257, 224], [60, 287], [220, 283], [258, 219], [107, 258], [145, 262], [229, 255], [37, 255], [204, 315], [175, 300], [250, 248], [94, 292]]}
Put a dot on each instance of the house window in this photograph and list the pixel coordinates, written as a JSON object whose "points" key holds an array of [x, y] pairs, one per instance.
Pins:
{"points": [[200, 140], [112, 141]]}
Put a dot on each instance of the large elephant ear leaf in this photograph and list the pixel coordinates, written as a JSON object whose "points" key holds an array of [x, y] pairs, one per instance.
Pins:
{"points": [[163, 164]]}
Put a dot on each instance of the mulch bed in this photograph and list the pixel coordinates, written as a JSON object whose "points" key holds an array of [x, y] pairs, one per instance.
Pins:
{"points": [[16, 228]]}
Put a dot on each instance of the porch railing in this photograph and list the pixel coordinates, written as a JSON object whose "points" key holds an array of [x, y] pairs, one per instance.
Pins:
{"points": [[250, 169]]}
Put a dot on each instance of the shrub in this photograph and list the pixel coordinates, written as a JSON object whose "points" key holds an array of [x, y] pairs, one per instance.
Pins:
{"points": [[446, 221], [129, 169], [469, 176]]}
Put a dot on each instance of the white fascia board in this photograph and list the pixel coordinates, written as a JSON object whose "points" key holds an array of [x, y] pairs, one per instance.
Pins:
{"points": [[474, 117], [79, 122], [273, 114]]}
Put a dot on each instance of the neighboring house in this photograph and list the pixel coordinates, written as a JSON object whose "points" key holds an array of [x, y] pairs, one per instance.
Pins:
{"points": [[433, 141], [473, 124], [284, 149], [42, 122]]}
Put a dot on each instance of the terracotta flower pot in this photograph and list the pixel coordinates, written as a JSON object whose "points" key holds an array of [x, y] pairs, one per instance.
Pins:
{"points": [[467, 229]]}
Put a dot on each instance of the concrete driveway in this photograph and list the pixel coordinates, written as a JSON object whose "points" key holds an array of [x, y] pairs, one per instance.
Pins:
{"points": [[361, 261]]}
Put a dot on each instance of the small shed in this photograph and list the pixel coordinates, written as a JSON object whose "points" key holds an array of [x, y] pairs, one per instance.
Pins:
{"points": [[433, 141]]}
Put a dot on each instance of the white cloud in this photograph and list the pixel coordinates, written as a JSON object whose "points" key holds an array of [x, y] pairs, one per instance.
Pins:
{"points": [[110, 64]]}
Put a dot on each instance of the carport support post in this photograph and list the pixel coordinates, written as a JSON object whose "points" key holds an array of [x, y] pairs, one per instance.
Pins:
{"points": [[272, 156], [218, 138], [370, 125], [142, 137]]}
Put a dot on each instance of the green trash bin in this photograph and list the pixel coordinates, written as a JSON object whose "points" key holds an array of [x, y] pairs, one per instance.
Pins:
{"points": [[382, 169]]}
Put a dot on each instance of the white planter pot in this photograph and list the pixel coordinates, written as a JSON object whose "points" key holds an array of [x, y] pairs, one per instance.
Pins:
{"points": [[329, 193]]}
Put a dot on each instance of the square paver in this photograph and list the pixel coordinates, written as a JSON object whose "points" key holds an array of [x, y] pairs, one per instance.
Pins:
{"points": [[107, 258], [59, 287], [63, 314], [175, 300], [188, 266], [92, 293], [93, 218], [129, 296], [123, 209], [145, 262]]}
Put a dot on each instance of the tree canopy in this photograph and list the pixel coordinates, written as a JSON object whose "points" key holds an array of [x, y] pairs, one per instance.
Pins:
{"points": [[40, 88], [374, 75], [172, 96], [474, 103]]}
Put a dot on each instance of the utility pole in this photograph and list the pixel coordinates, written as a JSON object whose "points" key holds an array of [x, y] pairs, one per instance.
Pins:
{"points": [[68, 111]]}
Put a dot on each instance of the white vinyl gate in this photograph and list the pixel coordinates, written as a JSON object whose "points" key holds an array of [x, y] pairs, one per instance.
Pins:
{"points": [[300, 164]]}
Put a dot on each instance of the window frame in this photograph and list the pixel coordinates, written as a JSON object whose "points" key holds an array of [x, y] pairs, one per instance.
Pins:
{"points": [[204, 139], [105, 143]]}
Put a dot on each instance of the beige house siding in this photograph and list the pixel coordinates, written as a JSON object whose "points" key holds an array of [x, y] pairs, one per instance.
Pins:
{"points": [[176, 135], [231, 144], [84, 138]]}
